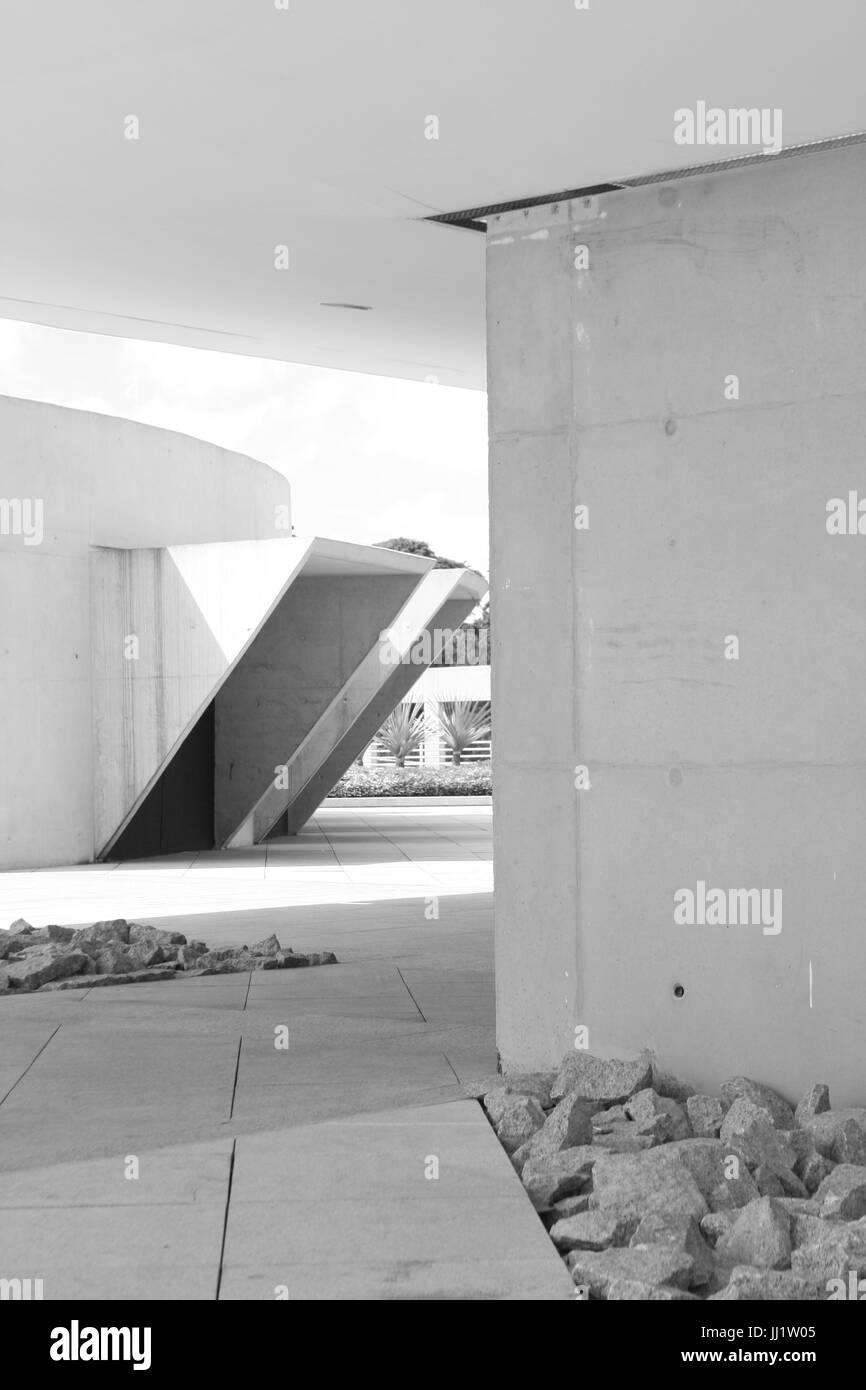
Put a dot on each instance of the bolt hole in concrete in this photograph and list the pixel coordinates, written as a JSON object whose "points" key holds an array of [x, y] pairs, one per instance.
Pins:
{"points": [[679, 991]]}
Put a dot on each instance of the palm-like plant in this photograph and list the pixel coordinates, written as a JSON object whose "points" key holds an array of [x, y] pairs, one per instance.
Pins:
{"points": [[463, 723], [402, 732]]}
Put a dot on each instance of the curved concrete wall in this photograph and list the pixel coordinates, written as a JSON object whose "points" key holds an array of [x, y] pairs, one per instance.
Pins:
{"points": [[100, 481]]}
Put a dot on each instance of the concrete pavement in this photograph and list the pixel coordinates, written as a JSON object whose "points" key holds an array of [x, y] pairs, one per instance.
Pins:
{"points": [[155, 1140]]}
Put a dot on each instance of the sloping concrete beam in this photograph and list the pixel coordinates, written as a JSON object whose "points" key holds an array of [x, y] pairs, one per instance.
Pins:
{"points": [[309, 768]]}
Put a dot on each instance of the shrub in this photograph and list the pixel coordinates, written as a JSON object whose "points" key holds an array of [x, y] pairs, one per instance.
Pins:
{"points": [[470, 779]]}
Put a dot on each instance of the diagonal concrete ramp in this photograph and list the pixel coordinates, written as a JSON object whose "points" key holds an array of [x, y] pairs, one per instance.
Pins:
{"points": [[308, 771]]}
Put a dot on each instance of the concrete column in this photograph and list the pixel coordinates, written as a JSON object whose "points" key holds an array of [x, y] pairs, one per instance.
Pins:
{"points": [[694, 378]]}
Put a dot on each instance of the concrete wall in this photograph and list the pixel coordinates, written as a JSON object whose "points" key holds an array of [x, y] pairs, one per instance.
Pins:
{"points": [[104, 482], [707, 520]]}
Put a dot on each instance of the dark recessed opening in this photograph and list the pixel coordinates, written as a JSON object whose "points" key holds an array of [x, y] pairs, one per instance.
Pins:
{"points": [[177, 814], [679, 991]]}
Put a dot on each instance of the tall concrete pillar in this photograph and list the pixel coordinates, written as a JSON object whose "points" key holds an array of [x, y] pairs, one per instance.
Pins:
{"points": [[676, 377]]}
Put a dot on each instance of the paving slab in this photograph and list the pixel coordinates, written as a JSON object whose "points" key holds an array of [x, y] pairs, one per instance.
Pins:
{"points": [[332, 1140], [353, 1210]]}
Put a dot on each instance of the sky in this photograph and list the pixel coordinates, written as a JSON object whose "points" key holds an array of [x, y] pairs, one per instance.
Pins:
{"points": [[368, 458]]}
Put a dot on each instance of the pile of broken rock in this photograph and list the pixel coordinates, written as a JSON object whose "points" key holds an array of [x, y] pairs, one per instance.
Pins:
{"points": [[121, 952], [650, 1190]]}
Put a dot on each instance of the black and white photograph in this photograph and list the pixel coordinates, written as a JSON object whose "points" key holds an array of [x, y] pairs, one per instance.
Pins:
{"points": [[432, 671]]}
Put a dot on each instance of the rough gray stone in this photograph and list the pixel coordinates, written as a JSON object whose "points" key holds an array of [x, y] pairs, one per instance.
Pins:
{"points": [[496, 1102], [808, 1227], [831, 1250], [839, 1135], [568, 1206], [658, 1116], [519, 1119], [649, 1264], [792, 1185], [592, 1230], [113, 960], [768, 1182], [717, 1224], [816, 1101], [188, 955], [733, 1194], [55, 933], [279, 960], [144, 955], [749, 1130], [708, 1162], [747, 1285], [145, 934], [102, 934], [42, 964], [682, 1232], [549, 1179], [743, 1088], [642, 1184], [20, 937], [761, 1236], [568, 1125], [843, 1193], [799, 1206], [601, 1079], [521, 1156], [705, 1116], [531, 1083], [624, 1139], [605, 1120], [268, 946]]}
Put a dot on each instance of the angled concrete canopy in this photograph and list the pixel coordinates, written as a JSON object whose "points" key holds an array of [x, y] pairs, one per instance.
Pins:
{"points": [[258, 667]]}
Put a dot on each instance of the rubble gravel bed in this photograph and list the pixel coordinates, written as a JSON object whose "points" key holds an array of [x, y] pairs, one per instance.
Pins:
{"points": [[40, 959], [651, 1190]]}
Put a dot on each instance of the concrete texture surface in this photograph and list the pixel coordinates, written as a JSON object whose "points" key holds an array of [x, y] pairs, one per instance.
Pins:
{"points": [[265, 1173], [610, 389]]}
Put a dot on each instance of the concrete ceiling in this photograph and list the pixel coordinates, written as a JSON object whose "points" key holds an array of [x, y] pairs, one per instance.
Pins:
{"points": [[305, 127]]}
